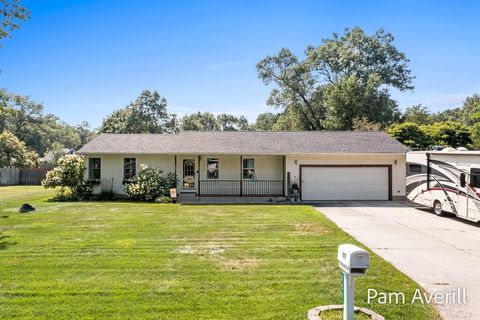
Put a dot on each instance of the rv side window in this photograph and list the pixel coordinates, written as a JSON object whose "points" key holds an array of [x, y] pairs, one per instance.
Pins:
{"points": [[475, 178], [463, 180], [415, 168]]}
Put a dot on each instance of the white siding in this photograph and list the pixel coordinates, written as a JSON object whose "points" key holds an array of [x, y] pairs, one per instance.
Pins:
{"points": [[112, 168], [397, 161]]}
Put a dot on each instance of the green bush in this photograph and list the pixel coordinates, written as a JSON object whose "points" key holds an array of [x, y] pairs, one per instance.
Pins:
{"points": [[68, 175], [149, 184], [163, 199]]}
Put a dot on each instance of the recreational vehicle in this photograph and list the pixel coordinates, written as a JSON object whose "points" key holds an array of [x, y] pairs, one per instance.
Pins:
{"points": [[446, 181]]}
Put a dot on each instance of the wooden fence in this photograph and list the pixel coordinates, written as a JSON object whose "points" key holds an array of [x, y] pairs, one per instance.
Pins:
{"points": [[22, 176]]}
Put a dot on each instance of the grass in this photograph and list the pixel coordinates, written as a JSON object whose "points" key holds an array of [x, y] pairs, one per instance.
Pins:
{"points": [[95, 260]]}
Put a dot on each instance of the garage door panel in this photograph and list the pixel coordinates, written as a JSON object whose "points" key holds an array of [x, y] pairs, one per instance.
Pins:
{"points": [[345, 183]]}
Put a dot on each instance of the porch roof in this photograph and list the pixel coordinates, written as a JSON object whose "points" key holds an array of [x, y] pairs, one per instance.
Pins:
{"points": [[245, 142]]}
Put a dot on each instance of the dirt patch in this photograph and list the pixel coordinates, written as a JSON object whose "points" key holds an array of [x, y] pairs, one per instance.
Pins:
{"points": [[239, 264], [309, 228], [202, 250]]}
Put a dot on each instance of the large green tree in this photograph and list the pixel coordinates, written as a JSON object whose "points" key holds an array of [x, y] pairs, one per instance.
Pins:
{"points": [[266, 121], [11, 14], [14, 153], [229, 122], [417, 114], [24, 118], [346, 77], [201, 121], [147, 114]]}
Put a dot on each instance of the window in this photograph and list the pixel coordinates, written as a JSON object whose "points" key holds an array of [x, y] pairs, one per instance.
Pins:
{"points": [[94, 168], [212, 168], [248, 168], [129, 168], [475, 178], [415, 168]]}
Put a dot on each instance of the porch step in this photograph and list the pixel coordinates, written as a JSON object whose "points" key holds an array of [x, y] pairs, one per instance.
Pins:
{"points": [[186, 196]]}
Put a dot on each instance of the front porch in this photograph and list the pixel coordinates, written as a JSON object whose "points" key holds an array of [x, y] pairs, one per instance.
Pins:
{"points": [[230, 176]]}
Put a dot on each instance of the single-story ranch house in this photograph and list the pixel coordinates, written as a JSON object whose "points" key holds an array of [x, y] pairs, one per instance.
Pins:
{"points": [[324, 165]]}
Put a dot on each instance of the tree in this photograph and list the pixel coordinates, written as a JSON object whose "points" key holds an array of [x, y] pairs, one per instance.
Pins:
{"points": [[85, 133], [349, 99], [448, 134], [417, 114], [311, 89], [11, 14], [266, 121], [200, 121], [410, 134], [230, 122], [14, 153], [68, 174], [475, 130], [147, 114], [362, 124]]}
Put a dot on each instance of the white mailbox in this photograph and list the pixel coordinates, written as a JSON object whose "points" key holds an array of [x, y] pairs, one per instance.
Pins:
{"points": [[353, 260]]}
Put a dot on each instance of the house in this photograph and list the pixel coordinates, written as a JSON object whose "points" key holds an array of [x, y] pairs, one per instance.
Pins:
{"points": [[325, 165]]}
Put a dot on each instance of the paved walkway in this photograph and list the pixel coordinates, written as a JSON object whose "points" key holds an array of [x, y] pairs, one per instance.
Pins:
{"points": [[440, 253]]}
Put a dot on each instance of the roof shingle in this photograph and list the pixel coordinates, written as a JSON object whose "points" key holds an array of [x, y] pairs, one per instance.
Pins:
{"points": [[245, 142]]}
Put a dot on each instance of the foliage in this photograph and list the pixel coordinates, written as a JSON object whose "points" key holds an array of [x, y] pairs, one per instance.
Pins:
{"points": [[448, 134], [349, 98], [410, 134], [266, 121], [69, 174], [362, 124], [464, 114], [25, 119], [352, 68], [163, 199], [418, 114], [11, 14], [451, 134], [149, 184], [14, 153], [147, 114], [199, 121], [230, 122], [206, 121]]}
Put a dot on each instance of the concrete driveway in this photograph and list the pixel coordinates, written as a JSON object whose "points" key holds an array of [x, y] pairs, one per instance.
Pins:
{"points": [[440, 253]]}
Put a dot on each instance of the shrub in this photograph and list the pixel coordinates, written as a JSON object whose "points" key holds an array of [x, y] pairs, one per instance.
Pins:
{"points": [[163, 199], [149, 184], [69, 175]]}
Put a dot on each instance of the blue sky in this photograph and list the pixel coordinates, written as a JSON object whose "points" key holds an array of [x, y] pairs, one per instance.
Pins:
{"points": [[83, 59]]}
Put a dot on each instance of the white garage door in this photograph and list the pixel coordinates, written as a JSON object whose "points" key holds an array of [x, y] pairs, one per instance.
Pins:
{"points": [[345, 183]]}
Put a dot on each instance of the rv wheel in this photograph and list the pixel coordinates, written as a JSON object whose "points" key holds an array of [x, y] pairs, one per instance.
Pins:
{"points": [[437, 208]]}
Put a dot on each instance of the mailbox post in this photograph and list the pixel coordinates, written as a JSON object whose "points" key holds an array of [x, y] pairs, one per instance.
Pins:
{"points": [[354, 262]]}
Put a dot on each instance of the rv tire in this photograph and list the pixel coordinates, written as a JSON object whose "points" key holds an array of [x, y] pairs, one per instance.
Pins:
{"points": [[437, 208]]}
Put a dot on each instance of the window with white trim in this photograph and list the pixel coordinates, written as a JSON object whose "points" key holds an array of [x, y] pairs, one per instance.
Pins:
{"points": [[248, 168], [212, 168]]}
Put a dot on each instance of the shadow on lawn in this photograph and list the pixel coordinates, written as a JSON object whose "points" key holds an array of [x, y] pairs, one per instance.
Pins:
{"points": [[5, 244]]}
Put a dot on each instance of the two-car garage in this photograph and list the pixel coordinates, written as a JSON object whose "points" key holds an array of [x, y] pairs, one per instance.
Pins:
{"points": [[347, 182]]}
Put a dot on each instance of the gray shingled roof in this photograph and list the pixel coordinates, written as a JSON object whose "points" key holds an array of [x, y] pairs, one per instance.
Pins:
{"points": [[245, 142]]}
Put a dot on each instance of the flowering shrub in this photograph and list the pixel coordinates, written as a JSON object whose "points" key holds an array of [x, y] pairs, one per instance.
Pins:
{"points": [[68, 174], [149, 184]]}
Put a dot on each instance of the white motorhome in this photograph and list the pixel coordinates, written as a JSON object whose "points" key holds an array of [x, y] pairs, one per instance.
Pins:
{"points": [[446, 181]]}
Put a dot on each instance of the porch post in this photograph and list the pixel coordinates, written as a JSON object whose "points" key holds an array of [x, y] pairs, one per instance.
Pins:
{"points": [[241, 175], [198, 175], [284, 174], [176, 182]]}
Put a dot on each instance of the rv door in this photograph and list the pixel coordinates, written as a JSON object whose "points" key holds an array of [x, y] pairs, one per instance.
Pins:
{"points": [[462, 196]]}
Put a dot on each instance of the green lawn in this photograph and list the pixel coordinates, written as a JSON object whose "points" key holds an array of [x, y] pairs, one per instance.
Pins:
{"points": [[123, 260]]}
